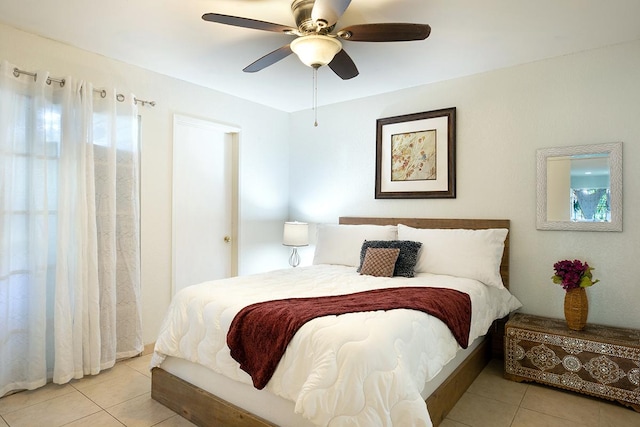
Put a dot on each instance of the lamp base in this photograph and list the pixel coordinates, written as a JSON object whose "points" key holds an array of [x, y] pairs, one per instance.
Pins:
{"points": [[294, 259]]}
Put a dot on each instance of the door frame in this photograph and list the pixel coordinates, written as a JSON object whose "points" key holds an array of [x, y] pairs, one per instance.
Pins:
{"points": [[232, 135]]}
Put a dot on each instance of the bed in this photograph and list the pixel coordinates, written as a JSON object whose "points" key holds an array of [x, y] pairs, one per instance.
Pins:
{"points": [[194, 374]]}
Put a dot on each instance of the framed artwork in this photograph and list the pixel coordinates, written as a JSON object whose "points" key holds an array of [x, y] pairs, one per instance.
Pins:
{"points": [[416, 156]]}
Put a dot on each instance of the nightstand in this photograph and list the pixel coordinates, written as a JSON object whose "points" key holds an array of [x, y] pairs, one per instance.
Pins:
{"points": [[599, 361]]}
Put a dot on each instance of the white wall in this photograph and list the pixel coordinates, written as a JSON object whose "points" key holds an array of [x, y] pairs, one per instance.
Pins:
{"points": [[263, 175], [502, 118]]}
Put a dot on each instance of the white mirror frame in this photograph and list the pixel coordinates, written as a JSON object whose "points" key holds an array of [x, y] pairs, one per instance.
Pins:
{"points": [[614, 149]]}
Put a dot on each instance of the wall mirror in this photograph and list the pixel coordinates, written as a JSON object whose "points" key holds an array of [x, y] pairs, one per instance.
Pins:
{"points": [[580, 188]]}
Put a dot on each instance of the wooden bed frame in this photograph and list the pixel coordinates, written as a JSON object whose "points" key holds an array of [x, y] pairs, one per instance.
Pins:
{"points": [[205, 409]]}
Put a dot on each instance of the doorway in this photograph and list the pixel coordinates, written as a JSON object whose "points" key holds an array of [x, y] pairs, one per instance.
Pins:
{"points": [[204, 202]]}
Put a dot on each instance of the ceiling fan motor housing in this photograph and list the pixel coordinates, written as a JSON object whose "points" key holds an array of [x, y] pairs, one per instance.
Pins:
{"points": [[302, 14]]}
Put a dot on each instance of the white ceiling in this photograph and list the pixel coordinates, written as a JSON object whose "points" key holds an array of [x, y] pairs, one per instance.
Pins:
{"points": [[467, 37]]}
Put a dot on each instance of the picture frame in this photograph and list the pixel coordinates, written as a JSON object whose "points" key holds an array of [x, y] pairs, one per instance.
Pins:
{"points": [[416, 156]]}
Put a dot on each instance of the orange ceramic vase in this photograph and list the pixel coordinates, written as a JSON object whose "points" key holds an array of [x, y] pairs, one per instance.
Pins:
{"points": [[576, 308]]}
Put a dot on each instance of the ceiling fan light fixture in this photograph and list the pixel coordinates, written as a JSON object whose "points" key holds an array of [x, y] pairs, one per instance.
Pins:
{"points": [[316, 50]]}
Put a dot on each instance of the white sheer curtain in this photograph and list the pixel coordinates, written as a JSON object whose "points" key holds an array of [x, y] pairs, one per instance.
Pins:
{"points": [[588, 199], [69, 233]]}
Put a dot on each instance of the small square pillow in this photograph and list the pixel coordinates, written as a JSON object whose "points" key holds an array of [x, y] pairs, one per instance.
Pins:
{"points": [[380, 262], [406, 260], [340, 243]]}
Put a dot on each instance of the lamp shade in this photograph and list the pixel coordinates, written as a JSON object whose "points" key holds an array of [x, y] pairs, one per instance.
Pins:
{"points": [[316, 50], [295, 234]]}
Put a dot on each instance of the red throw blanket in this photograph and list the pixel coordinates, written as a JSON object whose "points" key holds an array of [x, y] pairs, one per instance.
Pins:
{"points": [[260, 333]]}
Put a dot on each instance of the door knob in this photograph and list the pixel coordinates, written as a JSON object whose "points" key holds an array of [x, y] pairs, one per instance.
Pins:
{"points": [[227, 239]]}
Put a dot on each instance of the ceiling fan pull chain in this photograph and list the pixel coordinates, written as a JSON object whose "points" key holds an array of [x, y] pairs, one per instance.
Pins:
{"points": [[315, 95]]}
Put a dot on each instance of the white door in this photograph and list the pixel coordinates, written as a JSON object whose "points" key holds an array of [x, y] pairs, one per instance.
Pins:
{"points": [[204, 201]]}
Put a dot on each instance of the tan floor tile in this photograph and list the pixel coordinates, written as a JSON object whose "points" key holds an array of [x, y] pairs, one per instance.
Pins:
{"points": [[118, 370], [23, 399], [148, 348], [450, 423], [492, 384], [2, 423], [495, 367], [141, 411], [177, 421], [612, 415], [53, 412], [528, 418], [479, 411], [118, 389], [561, 404], [99, 419], [140, 364]]}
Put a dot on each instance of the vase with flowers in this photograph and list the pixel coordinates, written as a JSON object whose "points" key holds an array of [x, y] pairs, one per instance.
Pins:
{"points": [[574, 277]]}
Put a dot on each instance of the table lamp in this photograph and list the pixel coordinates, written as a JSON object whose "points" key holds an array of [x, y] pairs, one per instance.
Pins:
{"points": [[295, 234]]}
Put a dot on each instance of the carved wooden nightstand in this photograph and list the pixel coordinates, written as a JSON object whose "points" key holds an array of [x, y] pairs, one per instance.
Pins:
{"points": [[600, 361]]}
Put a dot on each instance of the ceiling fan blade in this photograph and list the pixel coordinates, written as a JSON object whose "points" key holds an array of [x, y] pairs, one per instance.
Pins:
{"points": [[269, 59], [237, 21], [343, 66], [329, 10], [389, 32]]}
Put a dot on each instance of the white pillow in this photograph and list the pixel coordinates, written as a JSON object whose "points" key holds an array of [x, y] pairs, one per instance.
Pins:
{"points": [[341, 243], [474, 254]]}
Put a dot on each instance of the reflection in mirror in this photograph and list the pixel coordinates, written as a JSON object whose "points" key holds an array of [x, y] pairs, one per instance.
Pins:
{"points": [[580, 188]]}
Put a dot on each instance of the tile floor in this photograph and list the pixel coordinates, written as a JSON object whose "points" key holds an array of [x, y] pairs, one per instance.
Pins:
{"points": [[116, 397], [121, 396], [492, 401]]}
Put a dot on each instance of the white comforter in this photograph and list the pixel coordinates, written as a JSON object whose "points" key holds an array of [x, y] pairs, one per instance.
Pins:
{"points": [[358, 369]]}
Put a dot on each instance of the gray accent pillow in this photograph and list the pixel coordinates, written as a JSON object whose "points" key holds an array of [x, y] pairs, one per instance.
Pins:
{"points": [[407, 258]]}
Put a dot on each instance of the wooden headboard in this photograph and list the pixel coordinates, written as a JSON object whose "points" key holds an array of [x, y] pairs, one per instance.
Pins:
{"points": [[473, 224]]}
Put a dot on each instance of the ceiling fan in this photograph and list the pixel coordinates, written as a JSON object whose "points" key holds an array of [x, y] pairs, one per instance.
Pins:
{"points": [[316, 44]]}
